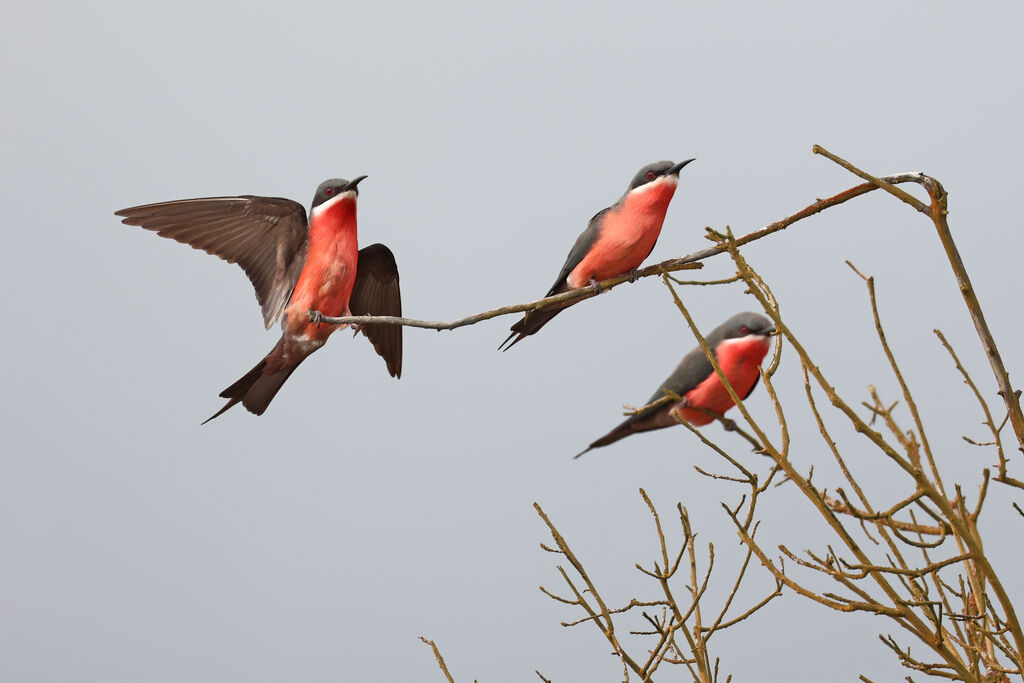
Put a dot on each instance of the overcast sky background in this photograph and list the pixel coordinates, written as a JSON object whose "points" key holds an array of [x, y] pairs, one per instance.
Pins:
{"points": [[318, 541]]}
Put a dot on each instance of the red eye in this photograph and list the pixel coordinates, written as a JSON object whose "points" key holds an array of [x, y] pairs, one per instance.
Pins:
{"points": [[745, 330], [650, 174], [329, 190]]}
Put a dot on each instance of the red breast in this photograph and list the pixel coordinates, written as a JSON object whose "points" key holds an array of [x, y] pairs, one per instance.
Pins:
{"points": [[740, 360], [628, 233], [329, 273]]}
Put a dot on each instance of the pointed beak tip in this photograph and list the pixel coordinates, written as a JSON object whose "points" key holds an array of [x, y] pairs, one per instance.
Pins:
{"points": [[679, 167]]}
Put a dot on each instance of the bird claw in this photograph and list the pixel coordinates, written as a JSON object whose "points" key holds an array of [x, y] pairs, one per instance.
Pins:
{"points": [[596, 285], [729, 425], [315, 317], [634, 274]]}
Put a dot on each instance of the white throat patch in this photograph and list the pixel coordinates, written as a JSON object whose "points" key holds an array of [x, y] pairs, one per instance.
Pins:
{"points": [[658, 182], [336, 199], [747, 339]]}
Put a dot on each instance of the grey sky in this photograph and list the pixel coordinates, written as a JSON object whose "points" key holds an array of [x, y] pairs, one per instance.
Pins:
{"points": [[317, 542]]}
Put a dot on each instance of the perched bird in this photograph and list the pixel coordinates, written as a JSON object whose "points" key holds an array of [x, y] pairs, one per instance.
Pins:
{"points": [[739, 344], [616, 241], [295, 266]]}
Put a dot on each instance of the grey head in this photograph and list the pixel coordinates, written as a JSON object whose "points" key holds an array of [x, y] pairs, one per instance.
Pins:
{"points": [[741, 325], [329, 189], [651, 172]]}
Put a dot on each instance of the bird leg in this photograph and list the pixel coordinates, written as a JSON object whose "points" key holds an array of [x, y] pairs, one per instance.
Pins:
{"points": [[315, 317], [634, 274], [596, 285]]}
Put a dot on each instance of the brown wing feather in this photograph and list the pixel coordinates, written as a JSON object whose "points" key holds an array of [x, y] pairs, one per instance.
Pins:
{"points": [[266, 236], [376, 292]]}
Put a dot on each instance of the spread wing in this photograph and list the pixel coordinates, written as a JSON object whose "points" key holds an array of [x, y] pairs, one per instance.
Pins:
{"points": [[376, 292], [266, 236]]}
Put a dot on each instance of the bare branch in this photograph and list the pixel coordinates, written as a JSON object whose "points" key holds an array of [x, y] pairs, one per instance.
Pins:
{"points": [[604, 623], [440, 659], [911, 404], [955, 604], [938, 211], [845, 507]]}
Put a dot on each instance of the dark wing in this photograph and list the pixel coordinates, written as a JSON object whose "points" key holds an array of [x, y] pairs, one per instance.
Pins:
{"points": [[376, 292], [656, 416], [583, 244], [752, 386], [534, 320], [266, 236], [693, 369]]}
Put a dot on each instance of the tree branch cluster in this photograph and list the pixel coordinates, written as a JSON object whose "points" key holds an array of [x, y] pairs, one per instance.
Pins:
{"points": [[918, 561]]}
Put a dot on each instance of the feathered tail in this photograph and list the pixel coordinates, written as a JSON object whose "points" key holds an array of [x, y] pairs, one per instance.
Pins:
{"points": [[657, 418], [256, 389], [531, 322], [536, 319]]}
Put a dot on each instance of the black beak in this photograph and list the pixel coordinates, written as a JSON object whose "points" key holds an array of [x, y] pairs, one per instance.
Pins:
{"points": [[352, 183], [678, 167]]}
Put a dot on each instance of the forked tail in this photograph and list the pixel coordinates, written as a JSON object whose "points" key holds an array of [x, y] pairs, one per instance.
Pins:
{"points": [[256, 389], [657, 418], [530, 323]]}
